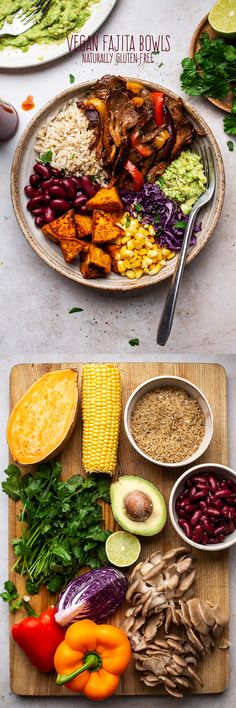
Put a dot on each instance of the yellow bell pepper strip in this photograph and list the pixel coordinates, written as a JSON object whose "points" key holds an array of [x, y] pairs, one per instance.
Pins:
{"points": [[134, 87], [158, 100], [161, 138], [140, 147], [91, 659], [136, 175]]}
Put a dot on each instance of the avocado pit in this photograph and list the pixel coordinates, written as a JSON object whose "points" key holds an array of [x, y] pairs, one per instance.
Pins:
{"points": [[138, 505]]}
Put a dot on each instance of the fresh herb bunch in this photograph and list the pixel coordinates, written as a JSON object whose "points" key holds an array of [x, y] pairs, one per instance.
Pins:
{"points": [[11, 595], [61, 524], [212, 70]]}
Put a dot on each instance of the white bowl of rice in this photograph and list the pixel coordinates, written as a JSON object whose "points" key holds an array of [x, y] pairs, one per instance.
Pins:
{"points": [[169, 421]]}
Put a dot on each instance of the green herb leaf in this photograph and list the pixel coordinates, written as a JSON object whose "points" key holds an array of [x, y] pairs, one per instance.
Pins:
{"points": [[134, 342], [46, 157], [127, 222], [180, 224], [138, 207], [157, 219], [230, 124], [75, 309], [212, 69], [72, 78], [230, 145]]}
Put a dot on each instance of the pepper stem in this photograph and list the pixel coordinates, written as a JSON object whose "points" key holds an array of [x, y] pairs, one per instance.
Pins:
{"points": [[91, 662]]}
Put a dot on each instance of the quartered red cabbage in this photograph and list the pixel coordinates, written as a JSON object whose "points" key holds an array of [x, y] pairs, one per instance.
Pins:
{"points": [[152, 207], [95, 595]]}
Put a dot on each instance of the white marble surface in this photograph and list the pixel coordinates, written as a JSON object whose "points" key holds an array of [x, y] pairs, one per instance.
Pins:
{"points": [[34, 321]]}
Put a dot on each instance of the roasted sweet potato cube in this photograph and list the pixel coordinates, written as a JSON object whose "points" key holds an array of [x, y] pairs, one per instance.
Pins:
{"points": [[113, 251], [83, 225], [106, 199], [95, 263], [104, 228], [62, 228], [72, 247]]}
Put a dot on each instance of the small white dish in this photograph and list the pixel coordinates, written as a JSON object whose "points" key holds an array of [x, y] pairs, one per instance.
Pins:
{"points": [[222, 470], [192, 390]]}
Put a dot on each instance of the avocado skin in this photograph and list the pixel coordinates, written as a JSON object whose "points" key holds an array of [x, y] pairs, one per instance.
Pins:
{"points": [[151, 526]]}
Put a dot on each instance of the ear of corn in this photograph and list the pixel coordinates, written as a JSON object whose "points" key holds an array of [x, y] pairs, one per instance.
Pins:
{"points": [[101, 410]]}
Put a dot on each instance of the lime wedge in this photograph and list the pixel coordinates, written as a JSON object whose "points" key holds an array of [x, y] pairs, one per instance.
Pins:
{"points": [[122, 549], [222, 17]]}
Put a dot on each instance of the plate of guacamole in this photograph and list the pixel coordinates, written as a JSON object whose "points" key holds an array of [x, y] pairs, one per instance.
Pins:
{"points": [[63, 28]]}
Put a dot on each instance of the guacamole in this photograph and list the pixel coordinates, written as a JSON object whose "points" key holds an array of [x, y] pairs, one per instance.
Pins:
{"points": [[184, 180], [62, 18]]}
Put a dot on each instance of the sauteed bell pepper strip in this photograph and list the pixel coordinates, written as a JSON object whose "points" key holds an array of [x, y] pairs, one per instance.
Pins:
{"points": [[39, 638], [136, 175], [158, 100], [91, 659], [141, 148]]}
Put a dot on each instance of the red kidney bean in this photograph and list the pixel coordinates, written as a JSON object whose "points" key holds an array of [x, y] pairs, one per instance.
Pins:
{"points": [[232, 485], [218, 503], [225, 511], [33, 203], [218, 539], [55, 172], [204, 538], [31, 191], [83, 209], [188, 509], [47, 183], [39, 222], [232, 513], [34, 180], [229, 528], [87, 186], [208, 527], [204, 486], [49, 215], [201, 494], [219, 529], [186, 527], [233, 499], [46, 199], [43, 171], [213, 483], [222, 494], [60, 205], [77, 181], [195, 518], [199, 479], [57, 192], [203, 505], [197, 533], [69, 187], [39, 211], [79, 201], [214, 512]]}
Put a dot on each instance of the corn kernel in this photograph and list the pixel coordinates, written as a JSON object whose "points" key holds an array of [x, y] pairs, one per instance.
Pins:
{"points": [[126, 263], [146, 261], [172, 255], [121, 267], [130, 274], [125, 252], [139, 242], [165, 251], [138, 273], [124, 239], [155, 269], [151, 230], [130, 244]]}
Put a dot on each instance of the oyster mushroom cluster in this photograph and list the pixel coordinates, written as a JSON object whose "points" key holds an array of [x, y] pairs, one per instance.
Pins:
{"points": [[161, 594]]}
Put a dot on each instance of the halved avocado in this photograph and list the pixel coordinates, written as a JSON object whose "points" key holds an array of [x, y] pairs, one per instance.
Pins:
{"points": [[138, 506]]}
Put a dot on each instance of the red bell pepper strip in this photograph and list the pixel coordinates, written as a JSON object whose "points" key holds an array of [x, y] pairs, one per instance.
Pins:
{"points": [[136, 175], [141, 148], [158, 100], [39, 638]]}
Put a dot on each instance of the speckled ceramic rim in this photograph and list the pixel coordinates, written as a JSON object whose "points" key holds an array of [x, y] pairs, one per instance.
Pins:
{"points": [[194, 391], [200, 469], [118, 283]]}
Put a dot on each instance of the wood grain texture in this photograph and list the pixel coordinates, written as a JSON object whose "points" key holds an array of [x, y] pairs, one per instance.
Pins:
{"points": [[212, 581]]}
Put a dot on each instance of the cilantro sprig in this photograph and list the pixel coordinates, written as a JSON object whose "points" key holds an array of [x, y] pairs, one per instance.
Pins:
{"points": [[63, 525]]}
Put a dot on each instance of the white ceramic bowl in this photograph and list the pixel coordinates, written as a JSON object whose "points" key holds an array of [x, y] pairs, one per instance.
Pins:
{"points": [[221, 470], [176, 382]]}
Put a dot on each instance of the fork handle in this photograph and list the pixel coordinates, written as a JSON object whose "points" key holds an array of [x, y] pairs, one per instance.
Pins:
{"points": [[168, 311]]}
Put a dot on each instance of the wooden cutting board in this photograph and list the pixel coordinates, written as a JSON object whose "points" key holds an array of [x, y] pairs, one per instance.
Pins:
{"points": [[212, 579]]}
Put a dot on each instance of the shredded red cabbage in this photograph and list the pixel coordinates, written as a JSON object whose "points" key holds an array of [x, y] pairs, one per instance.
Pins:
{"points": [[151, 206]]}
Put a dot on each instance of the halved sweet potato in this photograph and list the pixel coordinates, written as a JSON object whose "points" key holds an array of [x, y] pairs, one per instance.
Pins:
{"points": [[44, 418]]}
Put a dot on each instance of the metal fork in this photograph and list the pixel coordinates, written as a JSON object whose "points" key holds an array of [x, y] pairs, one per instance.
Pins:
{"points": [[205, 153], [23, 21]]}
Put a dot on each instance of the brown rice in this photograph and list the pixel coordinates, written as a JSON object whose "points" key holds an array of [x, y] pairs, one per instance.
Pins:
{"points": [[168, 424], [68, 137]]}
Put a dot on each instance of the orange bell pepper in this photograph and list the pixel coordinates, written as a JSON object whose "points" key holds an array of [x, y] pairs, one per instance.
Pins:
{"points": [[91, 659]]}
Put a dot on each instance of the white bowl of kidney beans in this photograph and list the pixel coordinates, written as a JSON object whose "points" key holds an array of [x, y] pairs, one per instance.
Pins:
{"points": [[202, 507]]}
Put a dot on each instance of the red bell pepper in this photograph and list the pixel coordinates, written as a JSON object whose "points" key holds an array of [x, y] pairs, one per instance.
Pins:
{"points": [[158, 100], [136, 175], [141, 148], [39, 638]]}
